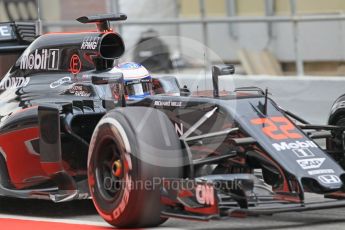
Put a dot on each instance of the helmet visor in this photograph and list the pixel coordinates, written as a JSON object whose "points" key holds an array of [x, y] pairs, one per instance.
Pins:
{"points": [[138, 88]]}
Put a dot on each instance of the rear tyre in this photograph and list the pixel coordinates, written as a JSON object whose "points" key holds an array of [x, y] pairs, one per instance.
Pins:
{"points": [[131, 150]]}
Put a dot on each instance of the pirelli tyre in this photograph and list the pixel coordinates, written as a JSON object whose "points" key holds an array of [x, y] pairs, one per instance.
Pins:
{"points": [[131, 150], [336, 144]]}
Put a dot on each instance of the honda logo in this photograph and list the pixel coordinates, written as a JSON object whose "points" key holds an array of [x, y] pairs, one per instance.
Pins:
{"points": [[329, 179]]}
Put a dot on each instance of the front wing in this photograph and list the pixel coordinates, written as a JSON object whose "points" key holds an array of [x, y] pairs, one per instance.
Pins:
{"points": [[234, 195]]}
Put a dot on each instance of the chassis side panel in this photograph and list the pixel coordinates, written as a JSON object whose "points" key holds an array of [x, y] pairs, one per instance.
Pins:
{"points": [[23, 162]]}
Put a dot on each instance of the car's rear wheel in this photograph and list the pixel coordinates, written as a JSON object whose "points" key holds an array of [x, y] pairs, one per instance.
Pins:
{"points": [[131, 150]]}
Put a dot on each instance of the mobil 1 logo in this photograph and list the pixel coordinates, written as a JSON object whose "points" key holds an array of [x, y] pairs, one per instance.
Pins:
{"points": [[45, 59], [303, 152], [301, 149]]}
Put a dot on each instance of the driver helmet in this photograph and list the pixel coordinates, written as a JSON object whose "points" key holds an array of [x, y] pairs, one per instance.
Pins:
{"points": [[137, 80]]}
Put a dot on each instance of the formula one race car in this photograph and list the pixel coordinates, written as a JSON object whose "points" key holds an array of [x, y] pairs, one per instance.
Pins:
{"points": [[75, 125]]}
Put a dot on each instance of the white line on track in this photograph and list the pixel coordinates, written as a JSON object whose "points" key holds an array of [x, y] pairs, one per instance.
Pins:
{"points": [[67, 221], [55, 220]]}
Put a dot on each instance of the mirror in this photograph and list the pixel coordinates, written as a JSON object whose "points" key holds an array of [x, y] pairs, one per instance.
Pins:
{"points": [[185, 91], [219, 71]]}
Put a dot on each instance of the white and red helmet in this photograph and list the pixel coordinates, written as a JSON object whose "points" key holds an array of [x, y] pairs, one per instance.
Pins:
{"points": [[137, 80]]}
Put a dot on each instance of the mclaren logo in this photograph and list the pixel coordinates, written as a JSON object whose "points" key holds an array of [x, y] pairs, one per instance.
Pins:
{"points": [[45, 59], [59, 82], [294, 145]]}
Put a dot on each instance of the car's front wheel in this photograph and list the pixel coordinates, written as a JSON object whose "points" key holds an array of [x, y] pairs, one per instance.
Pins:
{"points": [[335, 145], [131, 150]]}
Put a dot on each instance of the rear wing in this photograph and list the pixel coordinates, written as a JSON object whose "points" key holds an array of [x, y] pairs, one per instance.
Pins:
{"points": [[16, 36]]}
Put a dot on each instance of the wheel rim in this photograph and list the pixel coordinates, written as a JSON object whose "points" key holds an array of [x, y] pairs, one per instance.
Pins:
{"points": [[109, 171]]}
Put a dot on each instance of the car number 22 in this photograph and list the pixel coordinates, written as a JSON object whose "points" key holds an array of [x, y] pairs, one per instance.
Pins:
{"points": [[277, 128]]}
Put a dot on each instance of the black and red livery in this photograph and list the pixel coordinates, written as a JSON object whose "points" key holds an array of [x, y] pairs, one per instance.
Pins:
{"points": [[67, 132]]}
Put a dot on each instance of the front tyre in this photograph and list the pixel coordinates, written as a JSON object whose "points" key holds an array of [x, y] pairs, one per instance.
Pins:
{"points": [[131, 150], [335, 145]]}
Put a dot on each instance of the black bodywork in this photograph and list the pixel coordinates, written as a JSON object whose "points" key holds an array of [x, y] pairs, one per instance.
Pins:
{"points": [[62, 85]]}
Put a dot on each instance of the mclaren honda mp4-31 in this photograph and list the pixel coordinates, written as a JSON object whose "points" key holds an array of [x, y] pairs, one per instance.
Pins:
{"points": [[76, 124]]}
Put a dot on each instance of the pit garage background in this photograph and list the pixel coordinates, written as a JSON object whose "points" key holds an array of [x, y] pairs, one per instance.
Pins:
{"points": [[295, 48]]}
